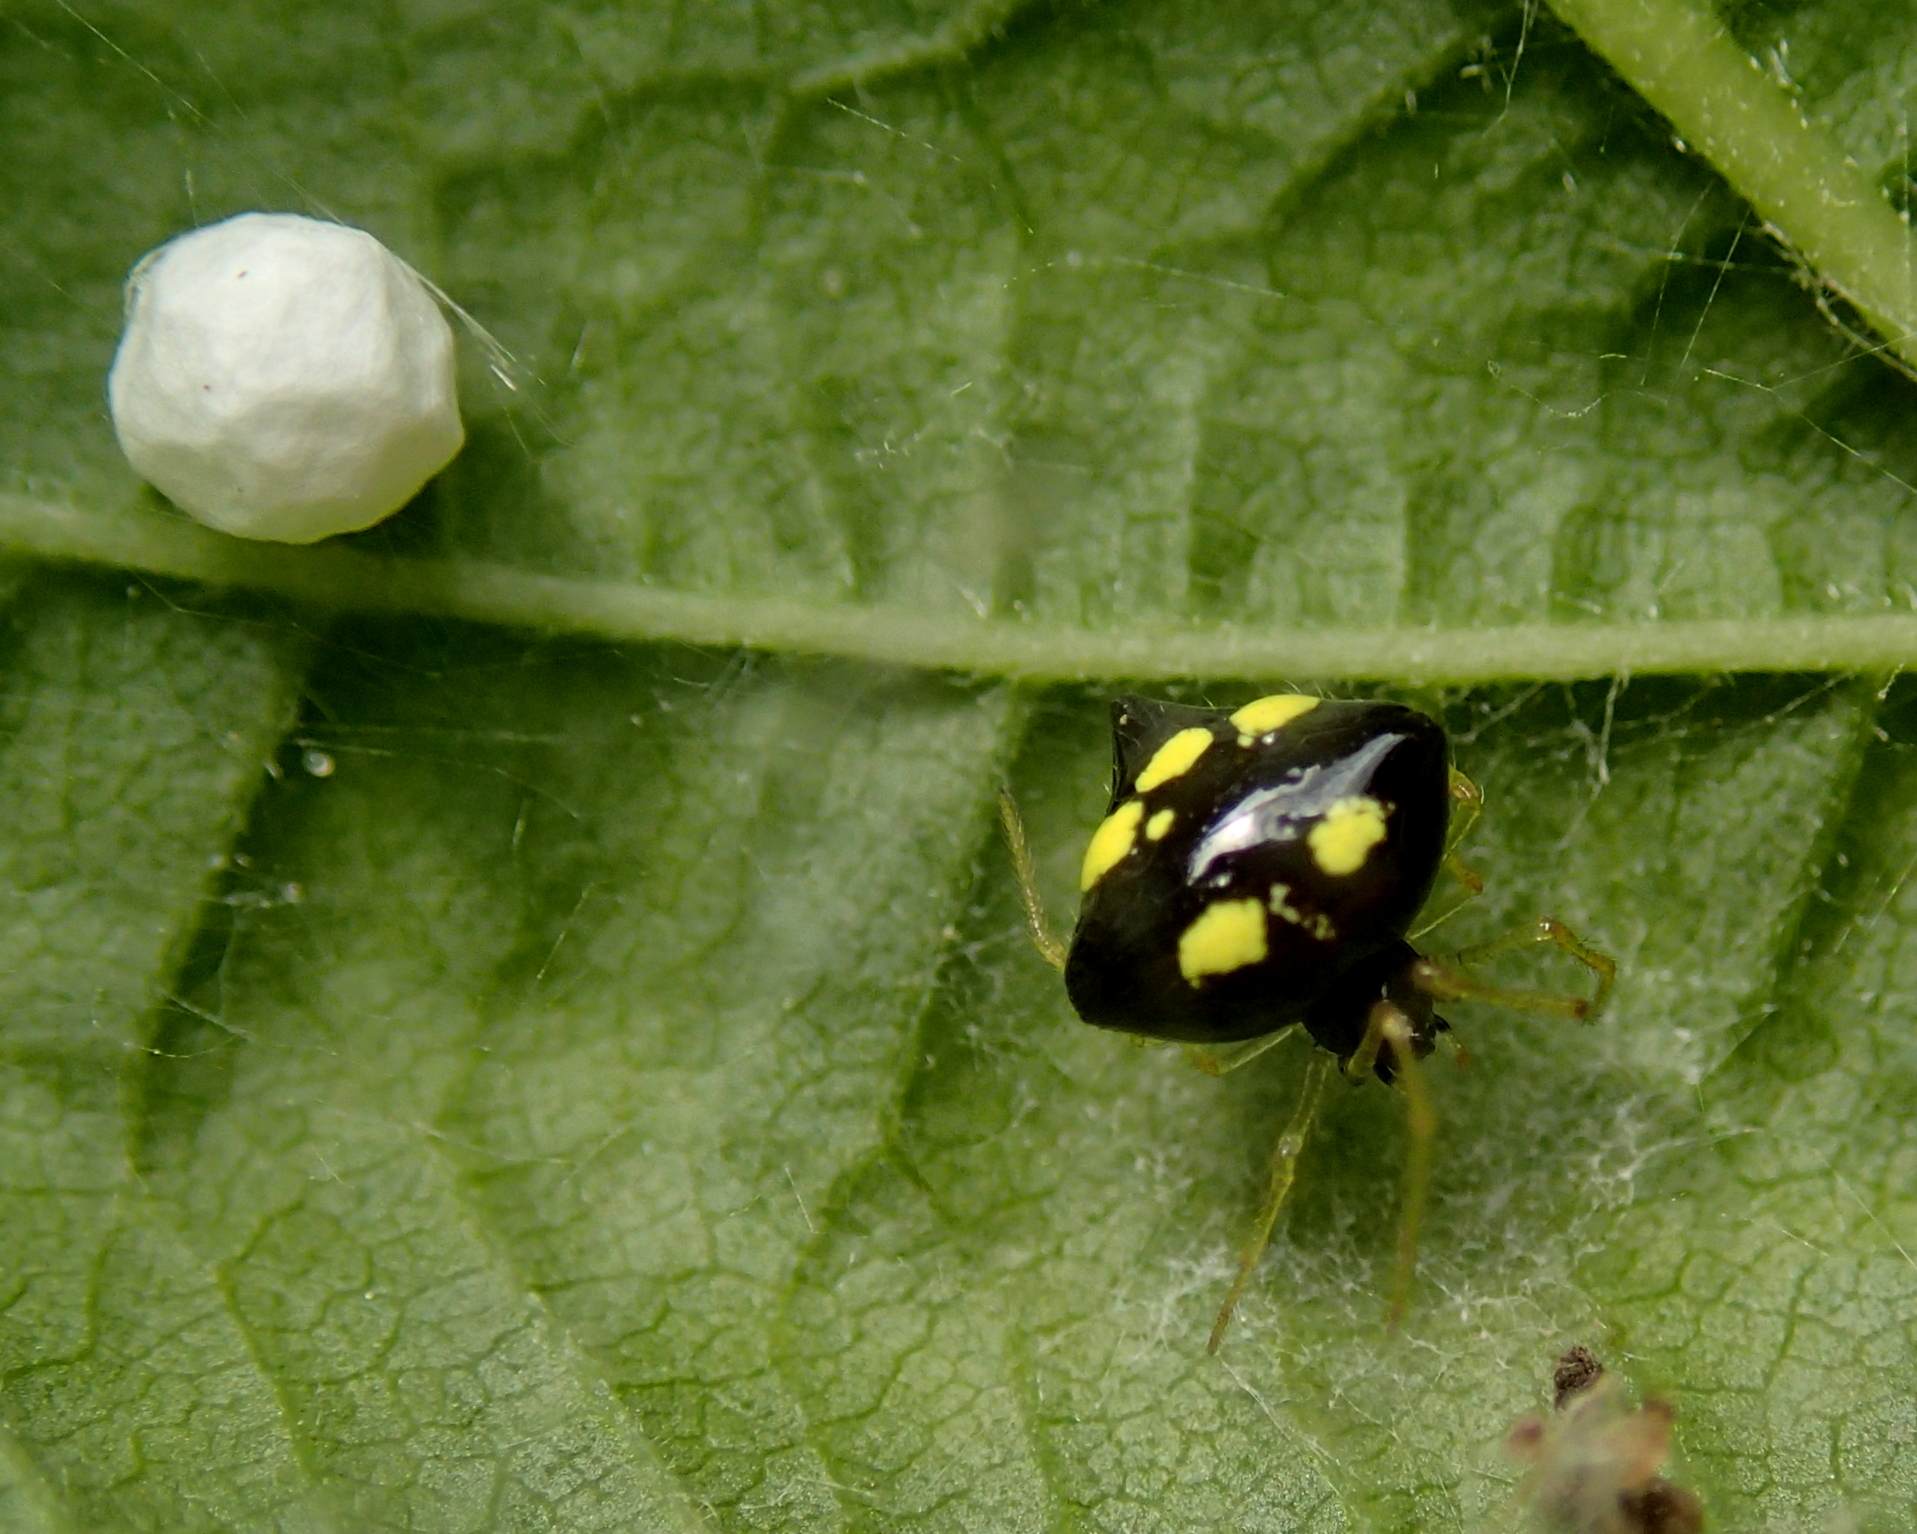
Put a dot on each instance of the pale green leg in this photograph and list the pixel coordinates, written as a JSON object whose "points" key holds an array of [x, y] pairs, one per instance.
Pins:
{"points": [[1387, 1025], [1470, 805], [1449, 981], [1470, 801], [1043, 938], [1223, 1059], [1284, 1167], [1421, 1120]]}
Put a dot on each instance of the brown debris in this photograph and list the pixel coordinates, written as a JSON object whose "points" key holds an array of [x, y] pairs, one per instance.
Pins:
{"points": [[1576, 1369], [1594, 1463]]}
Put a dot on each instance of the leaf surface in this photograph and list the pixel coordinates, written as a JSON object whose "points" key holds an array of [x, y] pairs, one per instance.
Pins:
{"points": [[520, 1019]]}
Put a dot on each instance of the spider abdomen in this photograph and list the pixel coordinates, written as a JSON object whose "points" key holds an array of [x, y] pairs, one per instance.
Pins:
{"points": [[1253, 862]]}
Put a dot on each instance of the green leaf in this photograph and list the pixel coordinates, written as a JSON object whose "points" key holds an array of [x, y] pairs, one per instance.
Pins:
{"points": [[521, 1019]]}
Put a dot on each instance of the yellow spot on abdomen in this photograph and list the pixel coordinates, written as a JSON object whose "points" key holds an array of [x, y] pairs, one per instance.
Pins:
{"points": [[1110, 842], [1278, 898], [1263, 715], [1174, 757], [1159, 824], [1226, 936], [1342, 841]]}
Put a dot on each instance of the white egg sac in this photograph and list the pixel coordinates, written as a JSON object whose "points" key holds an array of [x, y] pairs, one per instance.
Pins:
{"points": [[281, 377]]}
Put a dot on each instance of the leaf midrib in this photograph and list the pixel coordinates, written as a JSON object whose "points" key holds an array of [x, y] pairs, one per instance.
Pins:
{"points": [[346, 580]]}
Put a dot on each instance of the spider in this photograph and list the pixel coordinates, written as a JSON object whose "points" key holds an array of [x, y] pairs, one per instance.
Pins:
{"points": [[1259, 870]]}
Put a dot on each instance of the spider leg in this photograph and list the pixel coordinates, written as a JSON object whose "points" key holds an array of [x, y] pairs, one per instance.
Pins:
{"points": [[1421, 1120], [1050, 949], [1222, 1059], [1284, 1167], [1450, 980], [1387, 1026], [1470, 799]]}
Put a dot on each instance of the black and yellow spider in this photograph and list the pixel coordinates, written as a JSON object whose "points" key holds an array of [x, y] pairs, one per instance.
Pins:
{"points": [[1260, 870]]}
